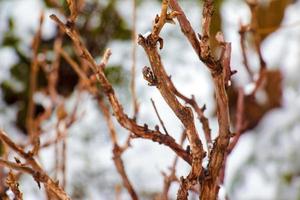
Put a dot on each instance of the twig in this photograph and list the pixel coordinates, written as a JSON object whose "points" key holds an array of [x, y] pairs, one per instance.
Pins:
{"points": [[117, 151], [53, 74], [64, 163], [14, 185], [242, 33], [254, 29], [160, 79], [200, 112], [159, 118], [32, 81], [209, 187], [16, 166], [36, 171], [257, 41], [239, 126], [73, 10], [123, 119], [75, 67], [133, 67], [168, 179]]}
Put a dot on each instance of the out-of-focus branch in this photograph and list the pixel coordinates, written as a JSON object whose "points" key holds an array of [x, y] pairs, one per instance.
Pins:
{"points": [[75, 67], [53, 73], [117, 151], [243, 30], [239, 126], [123, 119], [16, 166], [253, 4], [254, 29], [168, 179], [30, 126], [73, 10], [13, 185], [133, 67], [36, 171]]}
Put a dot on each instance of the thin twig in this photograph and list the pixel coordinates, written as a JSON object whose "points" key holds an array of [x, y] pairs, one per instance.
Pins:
{"points": [[242, 33], [239, 125], [200, 112], [36, 171], [159, 118], [117, 151], [124, 120], [157, 76], [209, 187], [14, 185], [32, 81], [133, 67], [168, 179]]}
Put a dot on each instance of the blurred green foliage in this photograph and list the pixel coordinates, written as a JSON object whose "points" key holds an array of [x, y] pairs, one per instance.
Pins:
{"points": [[115, 74], [98, 24]]}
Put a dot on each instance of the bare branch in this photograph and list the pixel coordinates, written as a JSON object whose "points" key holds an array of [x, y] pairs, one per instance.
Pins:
{"points": [[32, 81], [133, 67], [14, 185], [123, 119], [209, 188], [36, 171], [168, 179], [185, 114], [117, 151], [242, 32], [160, 120]]}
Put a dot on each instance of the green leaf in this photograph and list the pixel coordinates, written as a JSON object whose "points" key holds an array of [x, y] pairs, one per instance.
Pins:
{"points": [[116, 75]]}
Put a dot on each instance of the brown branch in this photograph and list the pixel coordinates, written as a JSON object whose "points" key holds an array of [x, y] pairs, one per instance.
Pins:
{"points": [[117, 151], [32, 81], [64, 163], [60, 143], [14, 186], [199, 111], [242, 32], [13, 145], [254, 29], [53, 73], [75, 67], [257, 42], [168, 179], [160, 79], [123, 119], [54, 141], [209, 187], [72, 4], [239, 126], [16, 166], [159, 118], [185, 25], [133, 67], [36, 171], [160, 20]]}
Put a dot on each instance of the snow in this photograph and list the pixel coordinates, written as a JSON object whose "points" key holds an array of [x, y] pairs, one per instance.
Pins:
{"points": [[8, 58]]}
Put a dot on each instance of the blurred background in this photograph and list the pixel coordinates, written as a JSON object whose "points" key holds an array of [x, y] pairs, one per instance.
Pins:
{"points": [[266, 161]]}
